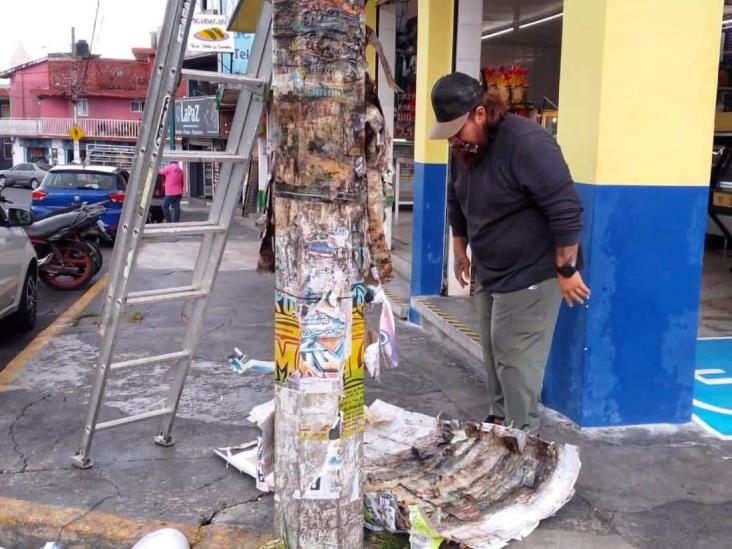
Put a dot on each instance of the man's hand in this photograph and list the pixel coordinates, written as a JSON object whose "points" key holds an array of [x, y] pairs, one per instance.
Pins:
{"points": [[461, 266], [573, 289]]}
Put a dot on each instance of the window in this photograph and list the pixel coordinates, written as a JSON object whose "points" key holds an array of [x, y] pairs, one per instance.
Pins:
{"points": [[82, 107], [81, 180], [137, 106], [7, 149]]}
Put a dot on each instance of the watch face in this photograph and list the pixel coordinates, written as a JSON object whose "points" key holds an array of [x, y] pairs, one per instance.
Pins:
{"points": [[567, 271]]}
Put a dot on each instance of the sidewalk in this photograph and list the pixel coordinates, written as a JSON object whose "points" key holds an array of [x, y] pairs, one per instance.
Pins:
{"points": [[657, 487]]}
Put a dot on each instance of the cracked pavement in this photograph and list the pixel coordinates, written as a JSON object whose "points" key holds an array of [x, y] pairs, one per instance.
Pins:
{"points": [[658, 487]]}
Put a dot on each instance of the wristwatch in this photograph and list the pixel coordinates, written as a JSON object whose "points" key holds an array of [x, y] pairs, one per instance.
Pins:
{"points": [[567, 270]]}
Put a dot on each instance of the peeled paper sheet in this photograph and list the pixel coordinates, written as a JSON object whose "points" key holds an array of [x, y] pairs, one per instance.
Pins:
{"points": [[387, 331], [255, 458], [475, 484], [479, 485]]}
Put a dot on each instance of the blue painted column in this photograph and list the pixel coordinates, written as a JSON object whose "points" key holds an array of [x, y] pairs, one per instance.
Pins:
{"points": [[639, 146], [434, 59]]}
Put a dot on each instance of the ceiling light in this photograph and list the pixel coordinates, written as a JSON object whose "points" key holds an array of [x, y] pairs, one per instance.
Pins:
{"points": [[540, 21], [497, 33]]}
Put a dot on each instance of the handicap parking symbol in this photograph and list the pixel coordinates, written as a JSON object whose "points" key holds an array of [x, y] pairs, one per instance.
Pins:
{"points": [[713, 387]]}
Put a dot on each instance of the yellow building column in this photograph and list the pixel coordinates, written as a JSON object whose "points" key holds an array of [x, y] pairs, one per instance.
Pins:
{"points": [[371, 21], [435, 28], [636, 121]]}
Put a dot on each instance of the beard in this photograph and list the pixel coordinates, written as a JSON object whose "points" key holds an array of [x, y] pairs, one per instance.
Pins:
{"points": [[469, 154], [468, 157]]}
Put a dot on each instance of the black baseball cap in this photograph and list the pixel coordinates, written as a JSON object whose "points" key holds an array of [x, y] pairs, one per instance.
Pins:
{"points": [[453, 97]]}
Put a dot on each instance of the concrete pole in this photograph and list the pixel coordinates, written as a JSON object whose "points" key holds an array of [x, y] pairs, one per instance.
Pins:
{"points": [[320, 207]]}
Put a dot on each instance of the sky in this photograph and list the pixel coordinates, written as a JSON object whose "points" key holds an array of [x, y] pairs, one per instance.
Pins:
{"points": [[44, 26]]}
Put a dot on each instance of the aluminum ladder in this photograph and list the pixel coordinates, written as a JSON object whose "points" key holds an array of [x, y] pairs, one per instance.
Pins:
{"points": [[149, 150]]}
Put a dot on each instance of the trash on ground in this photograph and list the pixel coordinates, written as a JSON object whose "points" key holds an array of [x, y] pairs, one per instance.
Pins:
{"points": [[255, 458], [241, 363], [476, 484], [165, 538]]}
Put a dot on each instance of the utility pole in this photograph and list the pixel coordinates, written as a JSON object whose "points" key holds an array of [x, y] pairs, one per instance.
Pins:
{"points": [[74, 94], [320, 209]]}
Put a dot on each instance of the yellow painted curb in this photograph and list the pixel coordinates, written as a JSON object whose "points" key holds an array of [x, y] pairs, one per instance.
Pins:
{"points": [[88, 530]]}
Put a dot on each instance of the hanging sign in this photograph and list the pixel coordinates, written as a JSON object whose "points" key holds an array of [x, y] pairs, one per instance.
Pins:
{"points": [[209, 35]]}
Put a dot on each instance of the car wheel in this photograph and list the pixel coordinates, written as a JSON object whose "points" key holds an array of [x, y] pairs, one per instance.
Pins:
{"points": [[34, 184], [24, 319]]}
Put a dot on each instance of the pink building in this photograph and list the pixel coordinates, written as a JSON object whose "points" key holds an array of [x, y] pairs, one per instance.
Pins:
{"points": [[107, 94]]}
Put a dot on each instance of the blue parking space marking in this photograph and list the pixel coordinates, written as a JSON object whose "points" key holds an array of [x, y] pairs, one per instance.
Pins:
{"points": [[713, 386]]}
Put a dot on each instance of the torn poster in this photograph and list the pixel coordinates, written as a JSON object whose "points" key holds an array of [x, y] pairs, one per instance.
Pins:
{"points": [[422, 535], [387, 331], [479, 485], [255, 458], [475, 484]]}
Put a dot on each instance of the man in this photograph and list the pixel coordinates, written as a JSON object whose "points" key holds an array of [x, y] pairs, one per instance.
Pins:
{"points": [[173, 185], [511, 196]]}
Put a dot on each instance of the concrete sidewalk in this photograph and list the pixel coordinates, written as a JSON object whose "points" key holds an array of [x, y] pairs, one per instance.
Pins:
{"points": [[659, 487]]}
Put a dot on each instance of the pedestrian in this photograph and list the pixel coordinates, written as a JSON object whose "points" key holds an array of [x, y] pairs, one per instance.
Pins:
{"points": [[512, 198], [173, 185]]}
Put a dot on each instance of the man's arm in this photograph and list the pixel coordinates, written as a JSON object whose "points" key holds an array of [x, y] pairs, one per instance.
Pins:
{"points": [[461, 263], [541, 170], [567, 254], [573, 288], [459, 225]]}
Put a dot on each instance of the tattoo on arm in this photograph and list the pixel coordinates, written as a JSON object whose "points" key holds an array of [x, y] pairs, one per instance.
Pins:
{"points": [[567, 254]]}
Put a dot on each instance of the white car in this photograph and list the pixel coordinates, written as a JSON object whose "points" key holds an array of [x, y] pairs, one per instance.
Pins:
{"points": [[18, 269]]}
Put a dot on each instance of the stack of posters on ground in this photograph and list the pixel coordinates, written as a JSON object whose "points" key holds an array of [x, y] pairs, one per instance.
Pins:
{"points": [[475, 484]]}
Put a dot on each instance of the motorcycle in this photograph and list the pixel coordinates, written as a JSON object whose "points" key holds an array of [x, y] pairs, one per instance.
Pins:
{"points": [[67, 243]]}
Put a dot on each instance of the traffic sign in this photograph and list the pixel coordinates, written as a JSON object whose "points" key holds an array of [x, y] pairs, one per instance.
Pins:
{"points": [[76, 133]]}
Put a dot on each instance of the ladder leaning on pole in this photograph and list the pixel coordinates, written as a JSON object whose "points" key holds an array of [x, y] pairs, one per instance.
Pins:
{"points": [[234, 161]]}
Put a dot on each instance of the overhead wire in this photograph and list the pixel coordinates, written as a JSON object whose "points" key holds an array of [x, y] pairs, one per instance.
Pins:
{"points": [[91, 46]]}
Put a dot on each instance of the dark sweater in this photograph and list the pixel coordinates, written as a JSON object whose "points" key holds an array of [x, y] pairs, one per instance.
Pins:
{"points": [[515, 206]]}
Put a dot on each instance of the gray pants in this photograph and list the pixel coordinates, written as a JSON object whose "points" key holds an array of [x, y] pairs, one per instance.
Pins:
{"points": [[516, 331]]}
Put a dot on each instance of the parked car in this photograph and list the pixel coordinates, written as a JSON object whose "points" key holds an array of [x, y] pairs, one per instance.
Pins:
{"points": [[71, 185], [155, 213], [18, 269], [28, 175]]}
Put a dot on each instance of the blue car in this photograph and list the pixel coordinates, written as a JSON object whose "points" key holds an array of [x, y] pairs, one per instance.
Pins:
{"points": [[65, 186]]}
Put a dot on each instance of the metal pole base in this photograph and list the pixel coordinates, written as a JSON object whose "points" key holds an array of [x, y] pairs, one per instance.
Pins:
{"points": [[81, 462], [162, 440]]}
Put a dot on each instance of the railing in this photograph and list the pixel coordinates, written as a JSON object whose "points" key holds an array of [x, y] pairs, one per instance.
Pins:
{"points": [[96, 128]]}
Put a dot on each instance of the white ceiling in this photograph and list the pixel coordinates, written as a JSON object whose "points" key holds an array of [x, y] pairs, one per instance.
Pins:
{"points": [[498, 14], [502, 14]]}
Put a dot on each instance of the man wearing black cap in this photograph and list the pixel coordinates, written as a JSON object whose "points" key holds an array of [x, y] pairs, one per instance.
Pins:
{"points": [[511, 196]]}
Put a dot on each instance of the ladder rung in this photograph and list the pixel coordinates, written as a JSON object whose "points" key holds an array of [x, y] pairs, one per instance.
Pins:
{"points": [[133, 419], [157, 359], [168, 294], [203, 156], [175, 230], [231, 80]]}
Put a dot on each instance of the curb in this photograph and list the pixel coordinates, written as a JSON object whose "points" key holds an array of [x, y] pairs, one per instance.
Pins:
{"points": [[399, 306], [29, 524], [435, 320]]}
